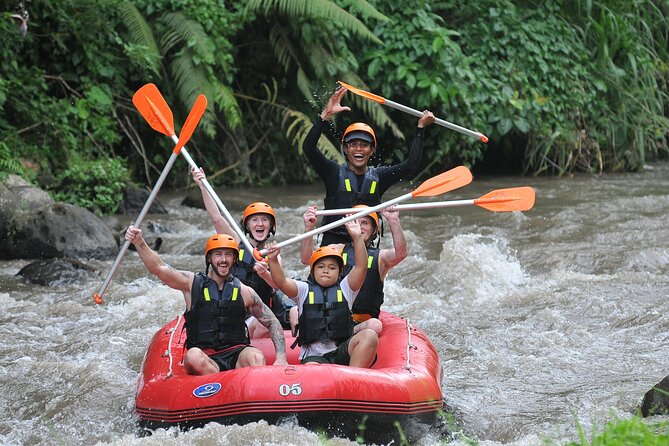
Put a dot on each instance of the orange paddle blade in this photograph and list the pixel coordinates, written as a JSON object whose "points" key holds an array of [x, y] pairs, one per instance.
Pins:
{"points": [[507, 200], [154, 109], [444, 182], [363, 93], [192, 121]]}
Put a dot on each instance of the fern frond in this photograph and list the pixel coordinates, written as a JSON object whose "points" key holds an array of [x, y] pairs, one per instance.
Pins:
{"points": [[282, 46], [8, 161], [140, 31], [226, 101], [328, 10], [367, 10], [169, 40], [298, 125], [303, 83], [190, 81], [191, 32], [320, 59]]}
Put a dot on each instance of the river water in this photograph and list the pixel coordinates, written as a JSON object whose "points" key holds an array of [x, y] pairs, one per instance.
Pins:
{"points": [[544, 321]]}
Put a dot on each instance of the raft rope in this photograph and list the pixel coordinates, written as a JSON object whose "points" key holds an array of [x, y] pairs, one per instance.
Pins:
{"points": [[409, 346], [168, 352]]}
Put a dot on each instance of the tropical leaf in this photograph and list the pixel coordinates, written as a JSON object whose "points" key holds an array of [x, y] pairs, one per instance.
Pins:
{"points": [[282, 46], [297, 10], [191, 32], [298, 125], [190, 81], [303, 83], [140, 32], [8, 161], [226, 101], [367, 10]]}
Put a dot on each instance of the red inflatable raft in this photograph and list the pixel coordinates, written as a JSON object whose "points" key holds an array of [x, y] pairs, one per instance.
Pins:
{"points": [[399, 396]]}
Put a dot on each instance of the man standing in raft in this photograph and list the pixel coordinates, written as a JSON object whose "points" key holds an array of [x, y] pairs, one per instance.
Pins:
{"points": [[216, 306], [324, 300], [353, 182]]}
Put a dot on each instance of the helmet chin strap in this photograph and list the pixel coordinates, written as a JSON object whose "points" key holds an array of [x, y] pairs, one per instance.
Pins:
{"points": [[373, 239], [269, 234]]}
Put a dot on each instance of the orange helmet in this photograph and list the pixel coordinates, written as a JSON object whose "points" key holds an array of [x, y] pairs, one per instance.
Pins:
{"points": [[326, 251], [259, 208], [221, 241], [359, 130], [373, 215]]}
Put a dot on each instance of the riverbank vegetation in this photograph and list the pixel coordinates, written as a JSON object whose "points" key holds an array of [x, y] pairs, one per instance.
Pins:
{"points": [[633, 431], [558, 87]]}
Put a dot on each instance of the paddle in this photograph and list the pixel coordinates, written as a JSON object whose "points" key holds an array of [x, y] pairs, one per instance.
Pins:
{"points": [[499, 200], [411, 111], [154, 109], [437, 185], [164, 121]]}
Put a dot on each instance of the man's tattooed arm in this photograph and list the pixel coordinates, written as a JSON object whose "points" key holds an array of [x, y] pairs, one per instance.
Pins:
{"points": [[265, 316]]}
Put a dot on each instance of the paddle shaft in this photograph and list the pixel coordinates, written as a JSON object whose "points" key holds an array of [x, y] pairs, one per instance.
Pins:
{"points": [[359, 213], [438, 121], [137, 223], [404, 207]]}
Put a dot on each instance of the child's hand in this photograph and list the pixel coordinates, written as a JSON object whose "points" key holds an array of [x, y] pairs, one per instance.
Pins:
{"points": [[261, 268]]}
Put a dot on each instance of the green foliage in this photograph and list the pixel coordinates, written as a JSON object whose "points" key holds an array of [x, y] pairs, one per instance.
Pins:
{"points": [[9, 163], [544, 84], [185, 57], [96, 185], [524, 82], [421, 65], [557, 86], [634, 431], [58, 87], [318, 11], [627, 48]]}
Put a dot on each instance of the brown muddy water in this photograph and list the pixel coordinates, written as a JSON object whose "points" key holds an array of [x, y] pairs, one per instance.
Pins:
{"points": [[544, 320]]}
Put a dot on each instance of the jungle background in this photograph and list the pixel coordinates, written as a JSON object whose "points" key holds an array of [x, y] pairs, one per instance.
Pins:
{"points": [[559, 87]]}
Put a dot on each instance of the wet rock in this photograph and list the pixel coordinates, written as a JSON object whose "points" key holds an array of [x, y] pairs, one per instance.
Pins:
{"points": [[231, 201], [17, 195], [193, 200], [656, 400], [55, 272], [26, 196], [57, 230], [134, 200]]}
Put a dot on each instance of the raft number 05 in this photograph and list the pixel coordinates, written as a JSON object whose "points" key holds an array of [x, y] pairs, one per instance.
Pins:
{"points": [[287, 389]]}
